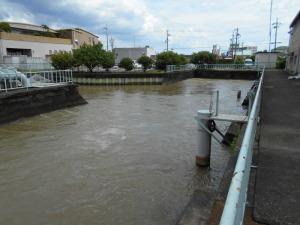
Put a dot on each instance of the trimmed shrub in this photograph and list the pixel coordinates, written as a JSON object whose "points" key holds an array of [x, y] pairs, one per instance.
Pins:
{"points": [[62, 60], [169, 58], [146, 62], [127, 64]]}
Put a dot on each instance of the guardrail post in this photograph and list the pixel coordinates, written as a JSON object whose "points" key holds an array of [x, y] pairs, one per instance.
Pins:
{"points": [[217, 103], [204, 138]]}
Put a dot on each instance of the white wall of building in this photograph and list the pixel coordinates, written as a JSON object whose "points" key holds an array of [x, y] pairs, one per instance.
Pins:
{"points": [[293, 59], [133, 53], [38, 49]]}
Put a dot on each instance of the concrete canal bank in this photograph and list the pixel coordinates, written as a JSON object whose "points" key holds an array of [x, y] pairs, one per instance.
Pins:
{"points": [[129, 78], [148, 78], [23, 103], [227, 74]]}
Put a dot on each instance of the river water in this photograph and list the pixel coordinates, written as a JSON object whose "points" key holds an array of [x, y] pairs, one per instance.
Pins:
{"points": [[126, 158]]}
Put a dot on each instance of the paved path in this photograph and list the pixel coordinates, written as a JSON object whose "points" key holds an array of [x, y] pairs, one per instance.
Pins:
{"points": [[277, 191]]}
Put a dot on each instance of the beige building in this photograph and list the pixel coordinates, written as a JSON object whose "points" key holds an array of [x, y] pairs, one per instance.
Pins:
{"points": [[28, 43], [293, 59], [79, 37], [34, 44]]}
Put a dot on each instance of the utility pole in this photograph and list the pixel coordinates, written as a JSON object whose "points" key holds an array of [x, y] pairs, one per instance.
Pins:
{"points": [[276, 26], [236, 40], [106, 31], [168, 35], [231, 44], [112, 41], [242, 48], [270, 27]]}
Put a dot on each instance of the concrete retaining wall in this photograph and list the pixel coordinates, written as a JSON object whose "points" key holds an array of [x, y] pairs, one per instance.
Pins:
{"points": [[117, 81], [22, 103], [128, 78], [227, 74]]}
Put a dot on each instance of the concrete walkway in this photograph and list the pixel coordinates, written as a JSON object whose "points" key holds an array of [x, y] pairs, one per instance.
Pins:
{"points": [[277, 190]]}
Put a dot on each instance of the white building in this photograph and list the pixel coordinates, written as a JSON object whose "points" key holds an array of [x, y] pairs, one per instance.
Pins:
{"points": [[293, 59], [266, 59], [133, 53]]}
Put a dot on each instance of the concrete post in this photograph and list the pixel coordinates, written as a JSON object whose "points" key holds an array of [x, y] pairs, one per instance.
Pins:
{"points": [[204, 139]]}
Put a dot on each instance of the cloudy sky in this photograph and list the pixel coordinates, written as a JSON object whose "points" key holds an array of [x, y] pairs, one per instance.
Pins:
{"points": [[194, 25]]}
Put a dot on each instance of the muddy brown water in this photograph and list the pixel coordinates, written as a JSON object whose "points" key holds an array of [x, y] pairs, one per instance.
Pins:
{"points": [[126, 158]]}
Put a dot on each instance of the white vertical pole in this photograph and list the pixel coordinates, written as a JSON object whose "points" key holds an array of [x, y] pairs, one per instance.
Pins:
{"points": [[204, 139], [217, 103]]}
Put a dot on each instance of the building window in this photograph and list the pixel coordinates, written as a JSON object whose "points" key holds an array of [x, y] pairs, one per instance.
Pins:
{"points": [[50, 52], [19, 52], [55, 51]]}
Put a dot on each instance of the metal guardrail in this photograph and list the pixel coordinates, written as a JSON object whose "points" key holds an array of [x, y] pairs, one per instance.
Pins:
{"points": [[173, 68], [228, 67], [29, 66], [10, 79], [234, 209]]}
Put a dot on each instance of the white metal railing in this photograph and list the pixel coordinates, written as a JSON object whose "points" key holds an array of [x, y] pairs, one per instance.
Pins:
{"points": [[173, 68], [233, 213], [29, 66], [227, 67], [11, 79]]}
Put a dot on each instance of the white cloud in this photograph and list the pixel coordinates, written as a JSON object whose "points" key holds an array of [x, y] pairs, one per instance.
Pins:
{"points": [[193, 23]]}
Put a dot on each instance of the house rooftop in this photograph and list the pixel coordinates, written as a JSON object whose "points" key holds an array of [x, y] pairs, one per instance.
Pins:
{"points": [[295, 19], [79, 29], [27, 26]]}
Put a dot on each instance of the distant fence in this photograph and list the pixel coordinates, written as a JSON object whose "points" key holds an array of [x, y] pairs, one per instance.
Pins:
{"points": [[173, 68], [11, 79], [29, 66], [257, 66]]}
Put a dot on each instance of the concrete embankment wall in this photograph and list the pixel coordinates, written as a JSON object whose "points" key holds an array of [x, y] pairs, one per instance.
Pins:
{"points": [[129, 78], [227, 74], [126, 78], [22, 103]]}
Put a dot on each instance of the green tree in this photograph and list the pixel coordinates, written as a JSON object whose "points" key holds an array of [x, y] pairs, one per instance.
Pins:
{"points": [[280, 63], [145, 61], [89, 56], [4, 26], [239, 60], [108, 60], [169, 58], [203, 57], [62, 60], [126, 63]]}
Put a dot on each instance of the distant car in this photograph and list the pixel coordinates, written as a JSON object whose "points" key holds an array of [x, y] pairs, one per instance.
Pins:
{"points": [[136, 65], [190, 66], [248, 62]]}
